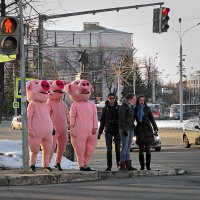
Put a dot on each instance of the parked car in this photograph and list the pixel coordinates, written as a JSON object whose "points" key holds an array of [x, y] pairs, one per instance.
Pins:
{"points": [[191, 133], [16, 123], [156, 144]]}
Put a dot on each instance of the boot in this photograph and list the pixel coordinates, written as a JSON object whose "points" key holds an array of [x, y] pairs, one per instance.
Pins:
{"points": [[148, 161], [109, 161], [141, 159], [118, 158], [122, 166], [129, 165]]}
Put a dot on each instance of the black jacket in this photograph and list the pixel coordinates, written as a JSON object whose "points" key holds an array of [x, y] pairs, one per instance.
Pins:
{"points": [[145, 129], [126, 116], [109, 119]]}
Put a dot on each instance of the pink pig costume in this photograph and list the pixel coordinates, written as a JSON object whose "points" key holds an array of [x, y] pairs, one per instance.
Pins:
{"points": [[59, 115], [83, 122], [40, 126]]}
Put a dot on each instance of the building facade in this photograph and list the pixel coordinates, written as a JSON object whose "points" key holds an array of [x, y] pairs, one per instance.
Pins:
{"points": [[106, 48], [193, 84]]}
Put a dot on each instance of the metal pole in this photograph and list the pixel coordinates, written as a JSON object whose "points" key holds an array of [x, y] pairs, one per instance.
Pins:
{"points": [[25, 151], [134, 80], [40, 44], [15, 99], [181, 75]]}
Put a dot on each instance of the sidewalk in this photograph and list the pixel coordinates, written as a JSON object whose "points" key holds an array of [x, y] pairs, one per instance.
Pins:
{"points": [[16, 177]]}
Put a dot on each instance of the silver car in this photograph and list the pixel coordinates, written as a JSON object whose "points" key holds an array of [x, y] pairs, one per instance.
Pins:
{"points": [[155, 145], [191, 133], [16, 123]]}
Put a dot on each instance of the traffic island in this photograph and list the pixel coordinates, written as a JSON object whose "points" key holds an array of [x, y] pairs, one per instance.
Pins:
{"points": [[13, 178]]}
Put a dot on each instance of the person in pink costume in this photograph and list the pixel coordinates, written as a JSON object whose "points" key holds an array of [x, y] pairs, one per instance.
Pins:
{"points": [[59, 115], [40, 126], [83, 122]]}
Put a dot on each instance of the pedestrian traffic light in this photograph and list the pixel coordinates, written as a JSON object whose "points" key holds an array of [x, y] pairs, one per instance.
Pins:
{"points": [[156, 20], [9, 35], [164, 19]]}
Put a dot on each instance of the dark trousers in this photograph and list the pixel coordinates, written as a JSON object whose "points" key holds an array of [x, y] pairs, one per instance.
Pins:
{"points": [[145, 147], [142, 148], [109, 140]]}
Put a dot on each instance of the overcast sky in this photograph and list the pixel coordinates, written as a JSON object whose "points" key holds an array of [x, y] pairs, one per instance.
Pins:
{"points": [[139, 22]]}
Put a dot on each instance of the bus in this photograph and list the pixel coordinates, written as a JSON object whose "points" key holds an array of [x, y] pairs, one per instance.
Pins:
{"points": [[189, 110], [155, 109]]}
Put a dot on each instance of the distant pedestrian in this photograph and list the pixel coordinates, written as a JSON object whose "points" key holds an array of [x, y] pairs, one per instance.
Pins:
{"points": [[109, 123], [126, 129], [145, 129]]}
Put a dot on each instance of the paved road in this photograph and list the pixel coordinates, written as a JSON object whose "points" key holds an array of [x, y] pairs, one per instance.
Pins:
{"points": [[144, 188], [172, 154]]}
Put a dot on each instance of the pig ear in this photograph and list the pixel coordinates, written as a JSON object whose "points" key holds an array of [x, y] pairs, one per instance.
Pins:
{"points": [[28, 83], [67, 87], [92, 89]]}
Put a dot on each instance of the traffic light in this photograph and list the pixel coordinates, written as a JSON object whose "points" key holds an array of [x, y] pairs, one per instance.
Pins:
{"points": [[156, 20], [9, 35], [164, 19]]}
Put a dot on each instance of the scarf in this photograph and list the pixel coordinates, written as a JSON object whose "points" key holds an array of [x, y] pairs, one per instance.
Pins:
{"points": [[140, 112]]}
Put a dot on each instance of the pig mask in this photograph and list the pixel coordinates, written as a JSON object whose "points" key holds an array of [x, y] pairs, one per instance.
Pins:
{"points": [[57, 89], [79, 90], [37, 90]]}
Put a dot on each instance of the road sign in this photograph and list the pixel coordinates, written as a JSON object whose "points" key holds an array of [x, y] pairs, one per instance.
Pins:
{"points": [[15, 104], [18, 87]]}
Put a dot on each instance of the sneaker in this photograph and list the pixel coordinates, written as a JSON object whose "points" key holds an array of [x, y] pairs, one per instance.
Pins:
{"points": [[81, 168], [47, 169], [57, 166], [108, 169], [32, 168], [89, 169]]}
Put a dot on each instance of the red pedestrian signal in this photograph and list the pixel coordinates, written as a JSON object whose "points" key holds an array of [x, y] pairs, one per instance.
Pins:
{"points": [[9, 35]]}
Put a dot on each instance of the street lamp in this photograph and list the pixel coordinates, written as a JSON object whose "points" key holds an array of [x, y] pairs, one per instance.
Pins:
{"points": [[181, 66]]}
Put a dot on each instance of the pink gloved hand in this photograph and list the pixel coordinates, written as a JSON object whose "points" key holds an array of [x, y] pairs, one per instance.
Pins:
{"points": [[94, 131], [72, 132], [31, 133]]}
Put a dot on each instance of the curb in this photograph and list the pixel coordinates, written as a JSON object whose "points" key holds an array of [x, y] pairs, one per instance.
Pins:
{"points": [[77, 176]]}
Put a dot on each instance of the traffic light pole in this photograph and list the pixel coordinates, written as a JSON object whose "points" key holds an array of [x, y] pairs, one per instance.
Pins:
{"points": [[43, 18], [181, 76], [3, 7], [25, 150]]}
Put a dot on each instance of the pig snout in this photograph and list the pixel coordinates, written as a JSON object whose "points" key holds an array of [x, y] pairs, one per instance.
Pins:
{"points": [[59, 84], [45, 86], [84, 84]]}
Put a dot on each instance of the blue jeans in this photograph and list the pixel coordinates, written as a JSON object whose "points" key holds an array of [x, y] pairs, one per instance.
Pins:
{"points": [[126, 142]]}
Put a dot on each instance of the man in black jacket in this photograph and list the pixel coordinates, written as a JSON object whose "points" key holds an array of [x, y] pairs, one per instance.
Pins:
{"points": [[109, 123]]}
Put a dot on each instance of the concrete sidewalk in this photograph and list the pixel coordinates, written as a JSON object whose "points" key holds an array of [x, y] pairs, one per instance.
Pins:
{"points": [[16, 177]]}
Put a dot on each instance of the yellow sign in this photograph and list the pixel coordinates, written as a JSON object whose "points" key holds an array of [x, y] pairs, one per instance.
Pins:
{"points": [[15, 104], [5, 58], [18, 87]]}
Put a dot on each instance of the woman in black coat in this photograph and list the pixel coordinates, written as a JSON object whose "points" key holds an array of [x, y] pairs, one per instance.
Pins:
{"points": [[146, 128], [126, 129]]}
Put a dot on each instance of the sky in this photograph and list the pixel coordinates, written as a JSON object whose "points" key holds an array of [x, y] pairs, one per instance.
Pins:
{"points": [[11, 150], [164, 46]]}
